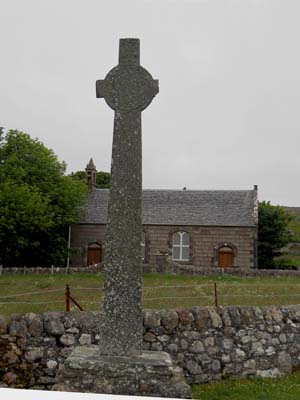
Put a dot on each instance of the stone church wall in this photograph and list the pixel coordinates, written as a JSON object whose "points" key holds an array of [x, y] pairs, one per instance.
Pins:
{"points": [[81, 236], [158, 238], [204, 243], [208, 344]]}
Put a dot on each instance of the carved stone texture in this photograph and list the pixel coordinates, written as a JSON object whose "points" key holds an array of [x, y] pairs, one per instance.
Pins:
{"points": [[128, 89], [128, 86]]}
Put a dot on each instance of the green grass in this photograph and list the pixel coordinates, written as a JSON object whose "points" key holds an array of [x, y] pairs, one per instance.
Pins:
{"points": [[159, 291], [285, 388]]}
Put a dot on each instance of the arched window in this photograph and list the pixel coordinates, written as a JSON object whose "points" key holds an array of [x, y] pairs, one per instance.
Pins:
{"points": [[94, 253], [225, 257], [181, 246], [143, 247]]}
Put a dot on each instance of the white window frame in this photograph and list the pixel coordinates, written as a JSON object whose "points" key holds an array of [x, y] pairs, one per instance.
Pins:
{"points": [[143, 247], [181, 246]]}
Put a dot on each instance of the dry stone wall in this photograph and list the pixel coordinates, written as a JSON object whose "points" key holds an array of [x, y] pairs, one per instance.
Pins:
{"points": [[237, 271], [208, 344], [50, 270], [161, 266]]}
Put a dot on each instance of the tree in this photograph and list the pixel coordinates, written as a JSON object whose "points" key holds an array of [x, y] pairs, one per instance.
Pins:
{"points": [[102, 178], [37, 202], [273, 233]]}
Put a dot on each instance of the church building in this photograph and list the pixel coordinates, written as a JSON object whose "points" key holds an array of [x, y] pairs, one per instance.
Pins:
{"points": [[199, 228]]}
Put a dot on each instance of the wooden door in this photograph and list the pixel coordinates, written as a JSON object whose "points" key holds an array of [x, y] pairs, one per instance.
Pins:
{"points": [[94, 255], [225, 259]]}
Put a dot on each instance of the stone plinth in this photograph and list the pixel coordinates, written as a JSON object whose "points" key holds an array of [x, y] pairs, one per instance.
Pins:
{"points": [[148, 374]]}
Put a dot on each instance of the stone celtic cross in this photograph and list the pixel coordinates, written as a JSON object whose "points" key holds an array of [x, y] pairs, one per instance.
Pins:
{"points": [[128, 89]]}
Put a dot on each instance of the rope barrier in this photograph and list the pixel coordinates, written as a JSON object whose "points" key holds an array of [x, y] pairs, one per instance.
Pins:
{"points": [[259, 295], [149, 287], [86, 288], [29, 302], [177, 287], [220, 285], [224, 283], [218, 293], [29, 293], [176, 298]]}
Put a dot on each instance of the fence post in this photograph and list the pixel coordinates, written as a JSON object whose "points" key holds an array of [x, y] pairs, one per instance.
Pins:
{"points": [[67, 298], [24, 270], [216, 294], [0, 269], [52, 269]]}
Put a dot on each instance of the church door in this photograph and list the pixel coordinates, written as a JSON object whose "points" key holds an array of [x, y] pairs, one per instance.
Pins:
{"points": [[225, 258], [94, 254]]}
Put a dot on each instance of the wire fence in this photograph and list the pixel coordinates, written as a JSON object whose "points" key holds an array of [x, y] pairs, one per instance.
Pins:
{"points": [[215, 294]]}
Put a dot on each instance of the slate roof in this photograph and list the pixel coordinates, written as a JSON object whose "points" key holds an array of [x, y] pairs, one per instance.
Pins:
{"points": [[182, 207]]}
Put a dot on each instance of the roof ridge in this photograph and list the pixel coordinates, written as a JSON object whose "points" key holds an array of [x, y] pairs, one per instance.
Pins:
{"points": [[191, 190]]}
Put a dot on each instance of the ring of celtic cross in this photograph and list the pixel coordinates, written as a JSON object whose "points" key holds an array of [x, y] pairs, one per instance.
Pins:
{"points": [[129, 88]]}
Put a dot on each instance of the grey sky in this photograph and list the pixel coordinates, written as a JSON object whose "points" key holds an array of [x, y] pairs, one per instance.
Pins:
{"points": [[226, 117]]}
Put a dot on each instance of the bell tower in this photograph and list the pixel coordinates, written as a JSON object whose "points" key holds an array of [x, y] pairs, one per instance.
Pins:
{"points": [[91, 175]]}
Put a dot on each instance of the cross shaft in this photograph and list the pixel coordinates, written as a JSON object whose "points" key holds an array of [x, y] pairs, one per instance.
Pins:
{"points": [[128, 89]]}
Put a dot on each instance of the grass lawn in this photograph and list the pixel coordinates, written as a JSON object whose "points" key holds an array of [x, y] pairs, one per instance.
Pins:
{"points": [[285, 388], [47, 292]]}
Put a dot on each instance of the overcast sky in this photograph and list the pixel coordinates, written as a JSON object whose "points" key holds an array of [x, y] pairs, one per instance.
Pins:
{"points": [[226, 116]]}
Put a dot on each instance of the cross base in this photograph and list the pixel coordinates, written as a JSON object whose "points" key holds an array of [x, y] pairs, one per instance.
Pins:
{"points": [[148, 374]]}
